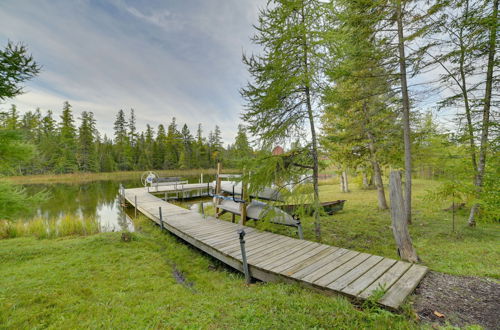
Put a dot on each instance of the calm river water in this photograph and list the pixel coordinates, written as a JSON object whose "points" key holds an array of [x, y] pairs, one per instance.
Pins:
{"points": [[98, 200]]}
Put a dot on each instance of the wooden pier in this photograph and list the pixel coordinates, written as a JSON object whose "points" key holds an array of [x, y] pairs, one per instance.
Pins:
{"points": [[272, 257]]}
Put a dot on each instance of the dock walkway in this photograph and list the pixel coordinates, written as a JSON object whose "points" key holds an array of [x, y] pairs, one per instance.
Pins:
{"points": [[272, 257]]}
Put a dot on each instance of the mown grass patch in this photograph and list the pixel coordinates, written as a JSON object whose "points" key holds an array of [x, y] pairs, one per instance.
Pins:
{"points": [[101, 282]]}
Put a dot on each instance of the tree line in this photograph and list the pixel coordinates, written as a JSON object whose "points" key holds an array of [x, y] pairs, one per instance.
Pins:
{"points": [[70, 145]]}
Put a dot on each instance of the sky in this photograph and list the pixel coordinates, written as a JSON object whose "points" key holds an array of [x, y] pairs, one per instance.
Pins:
{"points": [[164, 59]]}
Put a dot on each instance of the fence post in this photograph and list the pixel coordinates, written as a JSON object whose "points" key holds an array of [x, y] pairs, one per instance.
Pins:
{"points": [[241, 233], [161, 218]]}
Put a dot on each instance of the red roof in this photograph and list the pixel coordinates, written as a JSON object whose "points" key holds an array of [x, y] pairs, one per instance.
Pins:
{"points": [[278, 151]]}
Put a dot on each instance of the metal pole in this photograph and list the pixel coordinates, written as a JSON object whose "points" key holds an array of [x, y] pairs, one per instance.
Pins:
{"points": [[161, 218], [241, 233], [165, 196], [135, 205]]}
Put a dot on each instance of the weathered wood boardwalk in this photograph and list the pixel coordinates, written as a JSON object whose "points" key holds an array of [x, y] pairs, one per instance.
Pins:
{"points": [[272, 257]]}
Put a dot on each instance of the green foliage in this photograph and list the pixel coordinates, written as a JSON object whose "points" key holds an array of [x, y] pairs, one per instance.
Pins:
{"points": [[15, 201], [13, 150], [16, 67]]}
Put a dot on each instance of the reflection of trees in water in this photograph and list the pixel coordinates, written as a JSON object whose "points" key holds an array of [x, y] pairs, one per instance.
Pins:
{"points": [[76, 199], [86, 199]]}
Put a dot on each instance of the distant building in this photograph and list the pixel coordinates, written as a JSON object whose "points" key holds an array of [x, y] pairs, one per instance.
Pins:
{"points": [[278, 151]]}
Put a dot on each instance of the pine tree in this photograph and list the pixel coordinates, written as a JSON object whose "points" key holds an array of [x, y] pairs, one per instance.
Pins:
{"points": [[87, 153], [16, 67], [173, 146], [285, 90], [160, 148], [359, 117], [67, 162], [122, 142], [48, 146], [186, 155], [242, 149]]}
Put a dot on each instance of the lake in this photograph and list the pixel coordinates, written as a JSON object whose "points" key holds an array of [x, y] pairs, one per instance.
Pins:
{"points": [[97, 200]]}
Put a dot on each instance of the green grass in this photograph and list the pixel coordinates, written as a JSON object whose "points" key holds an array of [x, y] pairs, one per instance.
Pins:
{"points": [[101, 282], [362, 227]]}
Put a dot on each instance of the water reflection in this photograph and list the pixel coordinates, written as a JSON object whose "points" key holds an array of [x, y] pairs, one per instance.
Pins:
{"points": [[97, 200]]}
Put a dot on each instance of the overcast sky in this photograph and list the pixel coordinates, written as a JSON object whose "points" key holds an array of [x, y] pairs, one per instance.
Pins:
{"points": [[171, 58]]}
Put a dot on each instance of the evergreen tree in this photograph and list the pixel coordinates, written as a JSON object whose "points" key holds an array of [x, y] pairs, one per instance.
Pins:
{"points": [[160, 148], [186, 155], [173, 145], [67, 162], [16, 67], [87, 153], [241, 150], [122, 142], [285, 91]]}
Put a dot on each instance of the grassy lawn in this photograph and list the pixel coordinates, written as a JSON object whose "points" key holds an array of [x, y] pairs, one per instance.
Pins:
{"points": [[362, 227], [101, 282]]}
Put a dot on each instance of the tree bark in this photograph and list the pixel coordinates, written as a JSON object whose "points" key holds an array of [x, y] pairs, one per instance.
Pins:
{"points": [[465, 95], [377, 173], [314, 150], [406, 111], [345, 182], [399, 223], [366, 184], [486, 112]]}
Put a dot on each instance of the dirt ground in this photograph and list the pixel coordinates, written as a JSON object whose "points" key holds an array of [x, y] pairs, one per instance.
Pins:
{"points": [[458, 300]]}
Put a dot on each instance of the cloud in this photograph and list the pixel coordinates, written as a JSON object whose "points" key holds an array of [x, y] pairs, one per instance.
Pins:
{"points": [[163, 59]]}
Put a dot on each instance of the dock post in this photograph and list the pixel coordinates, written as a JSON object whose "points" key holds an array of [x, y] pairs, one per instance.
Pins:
{"points": [[299, 229], [165, 196], [241, 233], [135, 207], [217, 188], [202, 210], [243, 205], [161, 218]]}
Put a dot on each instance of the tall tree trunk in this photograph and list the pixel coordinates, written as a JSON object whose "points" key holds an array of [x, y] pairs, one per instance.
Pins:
{"points": [[345, 182], [399, 223], [314, 151], [486, 112], [406, 110], [377, 173], [465, 94], [366, 184]]}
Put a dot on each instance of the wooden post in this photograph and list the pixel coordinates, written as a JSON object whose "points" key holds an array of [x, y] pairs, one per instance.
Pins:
{"points": [[161, 217], [243, 206], [399, 223], [217, 189], [135, 207]]}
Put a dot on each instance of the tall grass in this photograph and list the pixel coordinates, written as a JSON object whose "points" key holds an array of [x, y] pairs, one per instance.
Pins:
{"points": [[50, 228], [104, 176]]}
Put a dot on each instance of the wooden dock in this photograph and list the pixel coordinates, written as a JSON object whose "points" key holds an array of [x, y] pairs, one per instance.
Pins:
{"points": [[272, 257], [182, 189]]}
